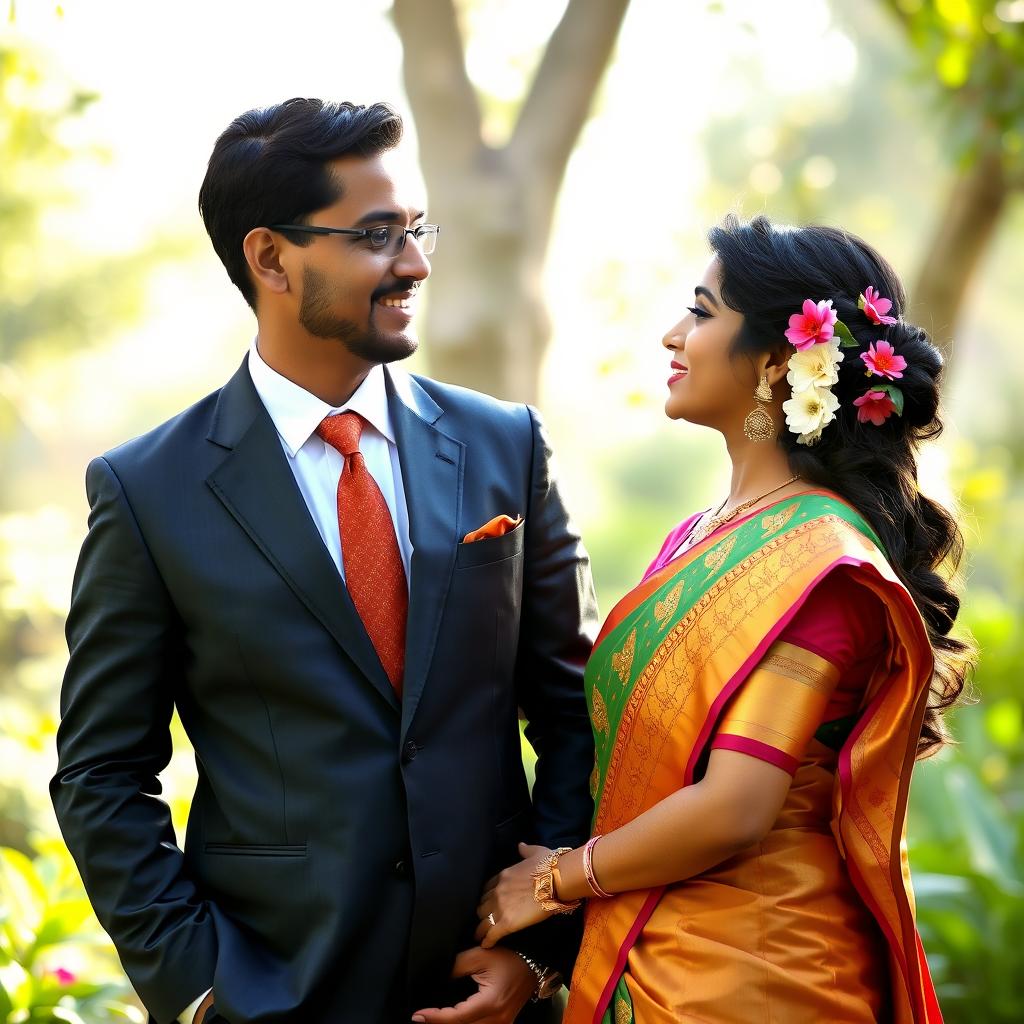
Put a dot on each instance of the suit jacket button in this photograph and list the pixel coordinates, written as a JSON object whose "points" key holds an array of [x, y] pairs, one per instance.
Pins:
{"points": [[401, 868], [409, 752]]}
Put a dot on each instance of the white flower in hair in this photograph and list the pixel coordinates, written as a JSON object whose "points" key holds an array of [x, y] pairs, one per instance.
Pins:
{"points": [[809, 411], [815, 367], [811, 438]]}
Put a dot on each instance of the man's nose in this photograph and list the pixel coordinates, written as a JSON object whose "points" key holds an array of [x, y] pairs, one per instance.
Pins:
{"points": [[411, 262]]}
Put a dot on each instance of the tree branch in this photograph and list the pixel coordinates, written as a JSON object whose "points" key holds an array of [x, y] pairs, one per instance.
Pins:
{"points": [[974, 205], [558, 102], [443, 101]]}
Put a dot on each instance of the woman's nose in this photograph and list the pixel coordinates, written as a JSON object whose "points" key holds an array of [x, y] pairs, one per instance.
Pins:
{"points": [[674, 339]]}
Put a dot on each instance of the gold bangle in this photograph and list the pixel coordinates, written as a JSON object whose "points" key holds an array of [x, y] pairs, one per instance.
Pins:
{"points": [[588, 869], [544, 884]]}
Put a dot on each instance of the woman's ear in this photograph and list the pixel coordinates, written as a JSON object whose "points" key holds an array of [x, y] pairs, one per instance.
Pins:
{"points": [[777, 365], [263, 254]]}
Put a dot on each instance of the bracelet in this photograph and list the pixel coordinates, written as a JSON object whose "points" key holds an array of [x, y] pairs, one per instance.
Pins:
{"points": [[538, 971], [544, 885], [548, 981], [588, 869]]}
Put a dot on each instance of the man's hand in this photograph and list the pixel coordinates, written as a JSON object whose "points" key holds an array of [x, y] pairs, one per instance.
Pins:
{"points": [[505, 983], [203, 1007]]}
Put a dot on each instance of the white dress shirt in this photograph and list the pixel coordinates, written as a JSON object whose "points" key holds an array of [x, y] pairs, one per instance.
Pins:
{"points": [[317, 466]]}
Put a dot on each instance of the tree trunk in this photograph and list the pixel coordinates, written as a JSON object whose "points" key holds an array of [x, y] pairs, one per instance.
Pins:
{"points": [[960, 240], [486, 324]]}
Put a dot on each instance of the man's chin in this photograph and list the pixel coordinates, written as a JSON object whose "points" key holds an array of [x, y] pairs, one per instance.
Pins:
{"points": [[382, 348], [399, 347]]}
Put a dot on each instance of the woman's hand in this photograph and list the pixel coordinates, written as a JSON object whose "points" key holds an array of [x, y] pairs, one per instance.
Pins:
{"points": [[508, 896]]}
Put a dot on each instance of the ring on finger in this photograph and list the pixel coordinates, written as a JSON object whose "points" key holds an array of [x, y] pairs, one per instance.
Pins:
{"points": [[490, 920]]}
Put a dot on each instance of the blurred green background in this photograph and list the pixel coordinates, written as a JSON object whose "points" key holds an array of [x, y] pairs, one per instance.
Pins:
{"points": [[575, 166]]}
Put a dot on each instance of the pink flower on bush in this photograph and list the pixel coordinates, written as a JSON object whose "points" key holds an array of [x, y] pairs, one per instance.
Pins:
{"points": [[63, 976], [881, 360], [876, 307], [813, 326], [875, 407]]}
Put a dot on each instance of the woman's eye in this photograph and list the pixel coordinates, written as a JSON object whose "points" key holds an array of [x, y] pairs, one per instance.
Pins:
{"points": [[699, 313], [379, 237]]}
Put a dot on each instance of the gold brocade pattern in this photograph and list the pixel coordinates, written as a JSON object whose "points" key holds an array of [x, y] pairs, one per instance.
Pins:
{"points": [[772, 524], [666, 608], [782, 702], [599, 712], [664, 687], [623, 1014], [810, 675], [715, 559], [622, 661], [595, 778]]}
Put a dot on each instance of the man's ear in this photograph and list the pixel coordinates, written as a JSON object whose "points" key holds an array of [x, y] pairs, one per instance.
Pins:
{"points": [[262, 248]]}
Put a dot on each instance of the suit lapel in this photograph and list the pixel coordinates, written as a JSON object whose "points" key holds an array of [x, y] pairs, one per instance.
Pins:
{"points": [[257, 487], [432, 469]]}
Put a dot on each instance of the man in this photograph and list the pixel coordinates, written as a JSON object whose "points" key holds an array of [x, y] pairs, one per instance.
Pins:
{"points": [[347, 580]]}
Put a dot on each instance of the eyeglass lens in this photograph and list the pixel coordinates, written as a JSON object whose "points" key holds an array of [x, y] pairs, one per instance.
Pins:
{"points": [[391, 239]]}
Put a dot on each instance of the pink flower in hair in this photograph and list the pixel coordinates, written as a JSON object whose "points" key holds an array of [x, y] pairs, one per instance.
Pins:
{"points": [[813, 326], [875, 407], [875, 307], [881, 360]]}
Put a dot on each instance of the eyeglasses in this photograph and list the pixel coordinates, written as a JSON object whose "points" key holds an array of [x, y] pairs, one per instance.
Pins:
{"points": [[388, 239]]}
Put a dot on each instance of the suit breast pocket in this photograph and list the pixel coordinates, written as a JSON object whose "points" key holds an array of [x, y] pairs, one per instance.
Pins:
{"points": [[491, 549]]}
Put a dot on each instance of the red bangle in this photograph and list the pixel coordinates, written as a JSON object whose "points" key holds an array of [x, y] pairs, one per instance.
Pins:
{"points": [[588, 869]]}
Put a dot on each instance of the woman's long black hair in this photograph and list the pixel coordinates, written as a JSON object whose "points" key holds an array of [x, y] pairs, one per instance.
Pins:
{"points": [[767, 271]]}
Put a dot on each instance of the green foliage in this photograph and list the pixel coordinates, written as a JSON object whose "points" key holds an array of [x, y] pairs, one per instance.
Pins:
{"points": [[48, 938], [965, 850], [973, 51], [53, 297], [828, 156], [645, 490]]}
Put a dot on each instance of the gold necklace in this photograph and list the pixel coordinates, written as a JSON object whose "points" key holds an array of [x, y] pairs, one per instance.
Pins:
{"points": [[712, 524]]}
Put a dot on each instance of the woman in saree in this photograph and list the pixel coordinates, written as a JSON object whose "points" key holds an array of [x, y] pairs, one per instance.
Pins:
{"points": [[760, 698]]}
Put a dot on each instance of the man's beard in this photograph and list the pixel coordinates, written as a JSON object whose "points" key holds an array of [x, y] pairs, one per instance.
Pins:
{"points": [[316, 316]]}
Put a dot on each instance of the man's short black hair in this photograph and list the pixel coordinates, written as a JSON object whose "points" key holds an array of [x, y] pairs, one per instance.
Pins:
{"points": [[270, 167]]}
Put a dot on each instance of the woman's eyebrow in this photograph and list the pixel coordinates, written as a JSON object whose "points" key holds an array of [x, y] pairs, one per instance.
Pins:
{"points": [[701, 290]]}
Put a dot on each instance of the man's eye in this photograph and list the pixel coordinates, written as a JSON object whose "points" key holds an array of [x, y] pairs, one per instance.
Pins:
{"points": [[379, 237]]}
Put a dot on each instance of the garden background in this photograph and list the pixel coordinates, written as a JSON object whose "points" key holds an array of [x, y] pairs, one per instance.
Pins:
{"points": [[575, 154]]}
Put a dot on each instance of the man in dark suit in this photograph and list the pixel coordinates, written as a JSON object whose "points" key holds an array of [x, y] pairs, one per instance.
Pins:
{"points": [[347, 580]]}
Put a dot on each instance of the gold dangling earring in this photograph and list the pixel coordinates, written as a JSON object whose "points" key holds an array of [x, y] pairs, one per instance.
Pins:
{"points": [[759, 426]]}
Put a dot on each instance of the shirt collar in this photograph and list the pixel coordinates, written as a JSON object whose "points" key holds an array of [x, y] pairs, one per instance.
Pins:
{"points": [[297, 413]]}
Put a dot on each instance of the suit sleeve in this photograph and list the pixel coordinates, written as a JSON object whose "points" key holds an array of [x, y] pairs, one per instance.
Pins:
{"points": [[558, 625], [114, 740]]}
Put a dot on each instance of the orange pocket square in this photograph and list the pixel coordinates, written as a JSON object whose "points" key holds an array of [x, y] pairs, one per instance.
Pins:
{"points": [[497, 527]]}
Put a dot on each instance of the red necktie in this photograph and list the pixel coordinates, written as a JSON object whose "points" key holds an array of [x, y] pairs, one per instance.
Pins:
{"points": [[374, 573]]}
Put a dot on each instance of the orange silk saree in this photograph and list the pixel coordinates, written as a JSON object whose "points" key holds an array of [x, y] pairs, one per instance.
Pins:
{"points": [[761, 936]]}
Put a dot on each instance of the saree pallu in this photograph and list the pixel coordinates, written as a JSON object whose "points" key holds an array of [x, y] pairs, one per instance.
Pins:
{"points": [[786, 932]]}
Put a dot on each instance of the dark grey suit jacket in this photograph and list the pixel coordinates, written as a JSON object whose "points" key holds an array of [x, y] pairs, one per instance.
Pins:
{"points": [[338, 839]]}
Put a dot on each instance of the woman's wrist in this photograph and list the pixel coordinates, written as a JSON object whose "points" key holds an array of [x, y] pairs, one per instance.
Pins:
{"points": [[576, 877], [570, 879]]}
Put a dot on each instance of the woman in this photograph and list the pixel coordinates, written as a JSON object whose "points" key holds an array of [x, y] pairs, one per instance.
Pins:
{"points": [[758, 701]]}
